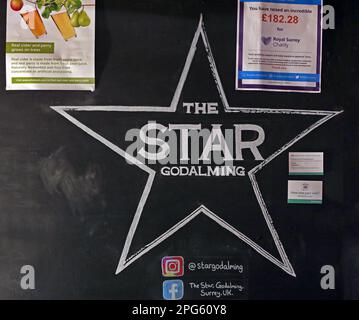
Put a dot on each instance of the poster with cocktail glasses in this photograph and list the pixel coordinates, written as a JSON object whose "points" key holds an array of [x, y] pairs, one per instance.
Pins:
{"points": [[50, 45]]}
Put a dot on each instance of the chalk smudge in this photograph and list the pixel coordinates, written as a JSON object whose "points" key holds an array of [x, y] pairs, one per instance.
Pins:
{"points": [[82, 188]]}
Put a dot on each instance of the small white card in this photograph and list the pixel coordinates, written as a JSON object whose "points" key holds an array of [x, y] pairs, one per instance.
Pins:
{"points": [[306, 163], [305, 192]]}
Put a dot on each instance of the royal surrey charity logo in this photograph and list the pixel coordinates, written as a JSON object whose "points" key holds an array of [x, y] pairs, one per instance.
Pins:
{"points": [[266, 40], [199, 151]]}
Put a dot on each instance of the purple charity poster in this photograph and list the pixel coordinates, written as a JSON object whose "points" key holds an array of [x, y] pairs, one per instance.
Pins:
{"points": [[279, 45]]}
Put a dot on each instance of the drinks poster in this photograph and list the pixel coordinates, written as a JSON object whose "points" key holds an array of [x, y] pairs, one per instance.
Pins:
{"points": [[50, 45]]}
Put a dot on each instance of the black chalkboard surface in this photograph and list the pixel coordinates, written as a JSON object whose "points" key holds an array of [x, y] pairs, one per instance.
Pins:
{"points": [[68, 199]]}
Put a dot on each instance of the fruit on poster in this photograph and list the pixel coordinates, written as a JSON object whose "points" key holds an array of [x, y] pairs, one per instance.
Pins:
{"points": [[84, 19], [75, 19], [16, 5], [80, 19]]}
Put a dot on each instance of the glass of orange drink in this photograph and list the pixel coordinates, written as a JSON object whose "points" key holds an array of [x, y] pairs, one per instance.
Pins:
{"points": [[63, 23], [34, 22]]}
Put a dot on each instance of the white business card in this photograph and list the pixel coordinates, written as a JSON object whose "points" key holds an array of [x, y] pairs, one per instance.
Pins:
{"points": [[305, 192], [306, 163]]}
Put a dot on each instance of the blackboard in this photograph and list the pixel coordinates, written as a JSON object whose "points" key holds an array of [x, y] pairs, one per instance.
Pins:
{"points": [[67, 201]]}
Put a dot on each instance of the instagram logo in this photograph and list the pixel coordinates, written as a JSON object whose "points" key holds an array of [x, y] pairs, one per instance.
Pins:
{"points": [[172, 266]]}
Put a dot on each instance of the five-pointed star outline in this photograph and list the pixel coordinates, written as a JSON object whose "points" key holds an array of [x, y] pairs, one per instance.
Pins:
{"points": [[126, 261]]}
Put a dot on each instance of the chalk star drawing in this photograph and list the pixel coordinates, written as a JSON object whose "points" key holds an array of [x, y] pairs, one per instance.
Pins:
{"points": [[126, 261]]}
